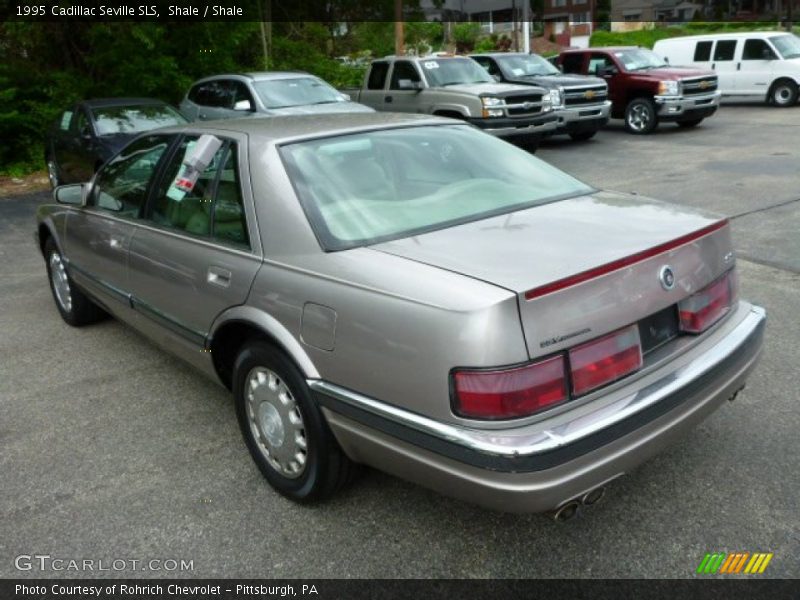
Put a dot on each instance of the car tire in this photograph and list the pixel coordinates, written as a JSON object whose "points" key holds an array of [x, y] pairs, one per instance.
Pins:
{"points": [[283, 428], [640, 116], [690, 122], [582, 136], [53, 172], [783, 93], [74, 306]]}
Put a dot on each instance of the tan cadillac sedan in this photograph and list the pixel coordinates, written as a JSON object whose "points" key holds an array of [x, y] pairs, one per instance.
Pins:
{"points": [[410, 293]]}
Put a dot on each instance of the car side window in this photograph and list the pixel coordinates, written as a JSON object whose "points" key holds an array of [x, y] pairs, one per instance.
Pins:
{"points": [[121, 185], [240, 92], [213, 207], [197, 94], [724, 50], [757, 50], [377, 75], [212, 94], [702, 51], [82, 123], [572, 63], [65, 120], [488, 64], [403, 69], [598, 62]]}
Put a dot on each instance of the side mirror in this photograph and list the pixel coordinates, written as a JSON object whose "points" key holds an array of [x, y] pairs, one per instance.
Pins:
{"points": [[497, 78], [345, 96], [607, 71], [407, 84], [243, 105], [72, 194]]}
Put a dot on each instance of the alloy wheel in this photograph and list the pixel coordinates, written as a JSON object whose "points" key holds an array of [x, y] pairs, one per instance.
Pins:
{"points": [[58, 276]]}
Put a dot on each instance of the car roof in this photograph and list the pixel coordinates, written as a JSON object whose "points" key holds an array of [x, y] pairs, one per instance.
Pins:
{"points": [[602, 49], [295, 127], [501, 54], [722, 34], [105, 102], [254, 76]]}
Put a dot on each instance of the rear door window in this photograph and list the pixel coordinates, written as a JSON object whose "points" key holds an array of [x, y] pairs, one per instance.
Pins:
{"points": [[572, 63], [377, 76], [702, 51], [724, 50]]}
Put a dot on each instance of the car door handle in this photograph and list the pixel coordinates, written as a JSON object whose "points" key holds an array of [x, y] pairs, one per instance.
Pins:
{"points": [[202, 116], [713, 65], [388, 98], [219, 277], [115, 243], [738, 66]]}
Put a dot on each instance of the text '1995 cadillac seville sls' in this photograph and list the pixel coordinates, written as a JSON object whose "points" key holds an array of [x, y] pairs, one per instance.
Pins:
{"points": [[410, 293]]}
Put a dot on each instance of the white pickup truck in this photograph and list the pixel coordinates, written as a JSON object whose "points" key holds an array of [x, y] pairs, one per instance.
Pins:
{"points": [[458, 87]]}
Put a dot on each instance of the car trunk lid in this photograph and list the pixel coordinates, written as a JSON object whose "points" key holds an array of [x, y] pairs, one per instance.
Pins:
{"points": [[582, 267]]}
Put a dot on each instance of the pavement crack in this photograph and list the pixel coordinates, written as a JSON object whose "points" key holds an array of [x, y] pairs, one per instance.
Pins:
{"points": [[764, 208]]}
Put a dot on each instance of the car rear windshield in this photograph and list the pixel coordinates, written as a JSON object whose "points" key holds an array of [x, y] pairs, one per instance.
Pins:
{"points": [[451, 71], [111, 120], [370, 187], [296, 91], [787, 45]]}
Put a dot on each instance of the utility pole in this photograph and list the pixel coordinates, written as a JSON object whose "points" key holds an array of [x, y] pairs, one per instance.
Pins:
{"points": [[526, 26], [266, 30], [399, 36]]}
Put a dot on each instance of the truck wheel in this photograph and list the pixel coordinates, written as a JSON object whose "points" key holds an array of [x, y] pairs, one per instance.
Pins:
{"points": [[783, 93], [582, 136], [640, 116], [73, 305], [690, 122], [285, 432]]}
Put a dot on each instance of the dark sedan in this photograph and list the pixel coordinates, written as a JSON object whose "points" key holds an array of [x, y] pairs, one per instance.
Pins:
{"points": [[92, 131]]}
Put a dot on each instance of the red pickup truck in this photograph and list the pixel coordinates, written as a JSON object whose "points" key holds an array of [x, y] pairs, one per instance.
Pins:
{"points": [[643, 89]]}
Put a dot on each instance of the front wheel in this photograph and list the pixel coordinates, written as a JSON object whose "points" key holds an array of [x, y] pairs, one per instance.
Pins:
{"points": [[285, 432], [73, 305], [640, 116], [784, 94], [690, 122], [583, 136]]}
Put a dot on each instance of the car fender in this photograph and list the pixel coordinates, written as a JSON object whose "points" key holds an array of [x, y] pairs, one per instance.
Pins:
{"points": [[461, 109], [271, 327]]}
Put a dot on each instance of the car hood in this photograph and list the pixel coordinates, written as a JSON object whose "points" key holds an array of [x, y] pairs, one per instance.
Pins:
{"points": [[318, 109], [552, 81], [530, 248], [480, 89]]}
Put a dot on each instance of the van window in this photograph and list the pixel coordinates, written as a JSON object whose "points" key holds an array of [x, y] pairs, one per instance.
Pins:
{"points": [[702, 51], [725, 50], [757, 50]]}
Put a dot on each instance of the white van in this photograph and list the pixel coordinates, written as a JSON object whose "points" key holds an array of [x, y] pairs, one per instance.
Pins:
{"points": [[765, 64]]}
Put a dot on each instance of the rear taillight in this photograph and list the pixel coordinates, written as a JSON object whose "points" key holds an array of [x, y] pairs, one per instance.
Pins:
{"points": [[701, 310], [510, 393], [605, 359]]}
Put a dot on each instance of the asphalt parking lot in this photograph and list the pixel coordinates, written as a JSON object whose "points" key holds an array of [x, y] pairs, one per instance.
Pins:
{"points": [[112, 449]]}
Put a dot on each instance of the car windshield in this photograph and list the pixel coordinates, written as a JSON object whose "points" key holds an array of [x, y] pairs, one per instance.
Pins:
{"points": [[110, 120], [787, 45], [452, 71], [296, 91], [365, 188], [638, 59], [527, 65]]}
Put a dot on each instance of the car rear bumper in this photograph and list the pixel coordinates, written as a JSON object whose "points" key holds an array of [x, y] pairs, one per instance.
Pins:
{"points": [[543, 466], [675, 107], [541, 124], [575, 119]]}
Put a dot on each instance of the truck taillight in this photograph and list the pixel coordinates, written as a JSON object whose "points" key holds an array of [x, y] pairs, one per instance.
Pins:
{"points": [[700, 311], [605, 359], [510, 393]]}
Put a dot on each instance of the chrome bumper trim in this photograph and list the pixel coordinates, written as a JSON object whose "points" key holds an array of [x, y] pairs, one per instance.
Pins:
{"points": [[526, 441], [571, 114]]}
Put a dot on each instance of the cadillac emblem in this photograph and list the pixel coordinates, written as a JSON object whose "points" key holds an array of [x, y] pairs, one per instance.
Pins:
{"points": [[667, 277]]}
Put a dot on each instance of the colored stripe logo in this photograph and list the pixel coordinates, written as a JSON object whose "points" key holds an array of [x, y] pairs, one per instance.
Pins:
{"points": [[736, 562]]}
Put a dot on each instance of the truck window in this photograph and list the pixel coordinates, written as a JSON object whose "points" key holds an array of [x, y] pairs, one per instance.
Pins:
{"points": [[572, 63], [702, 51], [757, 50], [724, 50], [377, 75], [598, 62], [488, 64], [403, 69]]}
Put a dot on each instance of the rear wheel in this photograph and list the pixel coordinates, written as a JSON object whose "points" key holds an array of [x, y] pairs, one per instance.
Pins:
{"points": [[284, 430], [582, 136], [73, 305], [783, 93], [640, 116], [690, 122]]}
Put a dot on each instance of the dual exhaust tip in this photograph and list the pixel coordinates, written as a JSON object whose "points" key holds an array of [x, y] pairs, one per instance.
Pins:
{"points": [[572, 508]]}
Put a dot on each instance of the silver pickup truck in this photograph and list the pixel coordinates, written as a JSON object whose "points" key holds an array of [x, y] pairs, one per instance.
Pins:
{"points": [[458, 87]]}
